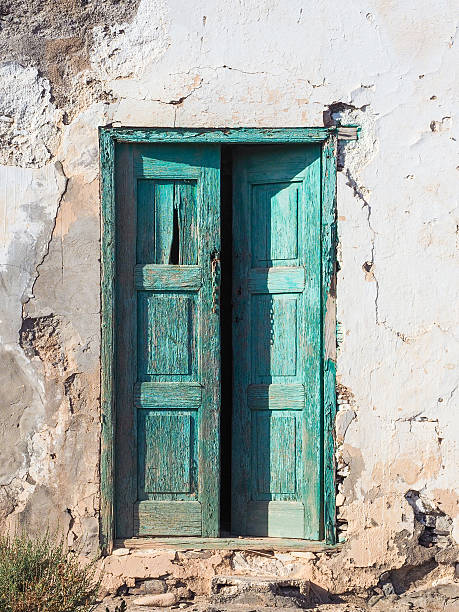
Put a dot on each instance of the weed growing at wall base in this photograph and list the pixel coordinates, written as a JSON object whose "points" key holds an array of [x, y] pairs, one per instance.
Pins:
{"points": [[41, 575]]}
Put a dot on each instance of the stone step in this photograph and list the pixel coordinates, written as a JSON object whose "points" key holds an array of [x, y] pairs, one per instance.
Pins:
{"points": [[261, 591]]}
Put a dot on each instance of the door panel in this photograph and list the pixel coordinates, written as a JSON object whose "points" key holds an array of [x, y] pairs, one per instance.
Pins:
{"points": [[167, 351], [276, 341]]}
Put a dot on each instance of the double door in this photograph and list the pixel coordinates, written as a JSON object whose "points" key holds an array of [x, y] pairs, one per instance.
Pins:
{"points": [[168, 354]]}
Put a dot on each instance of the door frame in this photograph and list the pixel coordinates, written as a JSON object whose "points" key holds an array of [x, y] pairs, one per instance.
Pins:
{"points": [[327, 137]]}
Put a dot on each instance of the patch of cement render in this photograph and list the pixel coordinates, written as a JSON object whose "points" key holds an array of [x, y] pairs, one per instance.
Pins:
{"points": [[29, 200], [64, 346], [50, 470]]}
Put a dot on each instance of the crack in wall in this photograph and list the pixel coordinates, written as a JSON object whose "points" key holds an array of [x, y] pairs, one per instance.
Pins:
{"points": [[361, 194], [59, 166], [224, 67], [180, 100]]}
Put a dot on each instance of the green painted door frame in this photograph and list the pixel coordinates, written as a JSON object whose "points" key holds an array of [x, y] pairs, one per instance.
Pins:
{"points": [[327, 139]]}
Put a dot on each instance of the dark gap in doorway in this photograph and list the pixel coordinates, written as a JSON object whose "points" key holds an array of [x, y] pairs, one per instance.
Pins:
{"points": [[226, 195], [175, 246]]}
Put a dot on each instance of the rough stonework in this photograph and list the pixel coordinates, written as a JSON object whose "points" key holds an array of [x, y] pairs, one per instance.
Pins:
{"points": [[69, 67]]}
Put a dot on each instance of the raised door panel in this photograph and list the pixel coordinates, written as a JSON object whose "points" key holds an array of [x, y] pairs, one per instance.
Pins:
{"points": [[276, 341], [274, 223], [165, 465], [165, 350], [168, 394], [274, 332]]}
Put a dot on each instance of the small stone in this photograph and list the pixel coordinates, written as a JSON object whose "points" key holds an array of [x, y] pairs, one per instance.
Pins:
{"points": [[162, 600], [388, 589], [154, 586], [429, 520], [183, 593], [441, 532], [443, 523], [150, 586], [121, 552], [343, 419]]}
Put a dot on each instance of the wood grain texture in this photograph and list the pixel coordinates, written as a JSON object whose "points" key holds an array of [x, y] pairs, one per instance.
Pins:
{"points": [[166, 447], [153, 277], [311, 348], [276, 280], [329, 245], [209, 346], [166, 335], [107, 460], [273, 456], [224, 543], [168, 395], [279, 519], [276, 397], [176, 518], [277, 339], [167, 357], [221, 135]]}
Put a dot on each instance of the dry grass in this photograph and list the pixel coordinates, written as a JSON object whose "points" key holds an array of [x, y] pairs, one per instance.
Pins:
{"points": [[41, 575]]}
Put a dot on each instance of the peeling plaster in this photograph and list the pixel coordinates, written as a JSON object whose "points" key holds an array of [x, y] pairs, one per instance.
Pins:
{"points": [[388, 68]]}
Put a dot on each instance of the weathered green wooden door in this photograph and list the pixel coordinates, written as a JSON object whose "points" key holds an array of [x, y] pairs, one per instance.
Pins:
{"points": [[167, 339], [276, 341]]}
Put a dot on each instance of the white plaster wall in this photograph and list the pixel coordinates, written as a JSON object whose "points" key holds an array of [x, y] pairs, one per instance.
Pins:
{"points": [[279, 63]]}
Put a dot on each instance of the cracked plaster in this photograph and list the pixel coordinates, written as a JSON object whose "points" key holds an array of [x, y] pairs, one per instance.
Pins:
{"points": [[390, 68]]}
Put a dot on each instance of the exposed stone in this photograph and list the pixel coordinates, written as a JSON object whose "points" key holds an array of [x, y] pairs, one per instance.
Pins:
{"points": [[256, 591], [138, 566], [59, 48], [343, 419], [120, 552], [71, 67], [161, 600], [150, 586]]}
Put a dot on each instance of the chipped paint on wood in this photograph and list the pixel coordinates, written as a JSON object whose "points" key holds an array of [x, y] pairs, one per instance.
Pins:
{"points": [[328, 242], [269, 282], [277, 314], [167, 339]]}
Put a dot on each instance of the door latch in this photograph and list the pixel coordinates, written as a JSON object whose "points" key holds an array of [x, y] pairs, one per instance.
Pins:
{"points": [[215, 271]]}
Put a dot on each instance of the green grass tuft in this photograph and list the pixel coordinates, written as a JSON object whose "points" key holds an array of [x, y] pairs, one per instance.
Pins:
{"points": [[41, 575]]}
